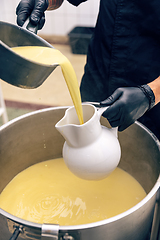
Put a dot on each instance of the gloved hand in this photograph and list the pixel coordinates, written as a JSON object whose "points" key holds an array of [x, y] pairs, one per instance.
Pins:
{"points": [[127, 105], [34, 9]]}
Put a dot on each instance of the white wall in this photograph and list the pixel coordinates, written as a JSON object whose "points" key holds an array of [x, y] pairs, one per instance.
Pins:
{"points": [[60, 21]]}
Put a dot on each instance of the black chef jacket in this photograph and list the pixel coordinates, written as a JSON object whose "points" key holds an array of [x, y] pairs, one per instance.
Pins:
{"points": [[124, 51]]}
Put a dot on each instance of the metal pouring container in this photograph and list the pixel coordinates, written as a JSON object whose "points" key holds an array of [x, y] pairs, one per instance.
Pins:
{"points": [[32, 138], [15, 69]]}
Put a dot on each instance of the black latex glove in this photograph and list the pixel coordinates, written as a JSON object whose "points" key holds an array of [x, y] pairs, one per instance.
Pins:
{"points": [[127, 105], [34, 9]]}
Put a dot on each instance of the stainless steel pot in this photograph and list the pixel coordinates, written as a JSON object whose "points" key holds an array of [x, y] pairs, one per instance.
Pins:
{"points": [[33, 138], [18, 70]]}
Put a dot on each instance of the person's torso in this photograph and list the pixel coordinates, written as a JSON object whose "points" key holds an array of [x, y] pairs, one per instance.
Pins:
{"points": [[125, 48]]}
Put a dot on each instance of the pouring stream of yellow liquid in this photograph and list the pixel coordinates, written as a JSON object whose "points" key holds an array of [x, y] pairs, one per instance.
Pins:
{"points": [[48, 192], [51, 56]]}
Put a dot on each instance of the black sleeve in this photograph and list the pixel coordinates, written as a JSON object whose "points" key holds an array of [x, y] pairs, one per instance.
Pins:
{"points": [[76, 2]]}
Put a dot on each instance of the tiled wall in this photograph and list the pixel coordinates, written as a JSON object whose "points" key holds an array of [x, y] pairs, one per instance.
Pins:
{"points": [[60, 21]]}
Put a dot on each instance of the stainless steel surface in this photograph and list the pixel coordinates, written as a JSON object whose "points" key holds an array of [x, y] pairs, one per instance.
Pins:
{"points": [[29, 26], [33, 138], [155, 230], [15, 69], [50, 232], [16, 233]]}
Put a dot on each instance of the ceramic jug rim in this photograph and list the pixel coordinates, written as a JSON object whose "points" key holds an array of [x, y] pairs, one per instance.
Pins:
{"points": [[77, 124]]}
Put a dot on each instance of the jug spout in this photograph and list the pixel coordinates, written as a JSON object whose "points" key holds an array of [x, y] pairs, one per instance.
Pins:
{"points": [[70, 134], [67, 127], [77, 135]]}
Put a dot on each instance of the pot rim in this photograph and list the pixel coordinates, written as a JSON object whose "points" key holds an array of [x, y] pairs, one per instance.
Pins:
{"points": [[88, 225]]}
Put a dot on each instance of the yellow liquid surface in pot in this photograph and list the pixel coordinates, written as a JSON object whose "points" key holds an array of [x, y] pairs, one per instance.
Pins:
{"points": [[51, 56], [48, 192]]}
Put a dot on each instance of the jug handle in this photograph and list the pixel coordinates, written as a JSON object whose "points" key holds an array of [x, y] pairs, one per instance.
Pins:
{"points": [[29, 26], [100, 112]]}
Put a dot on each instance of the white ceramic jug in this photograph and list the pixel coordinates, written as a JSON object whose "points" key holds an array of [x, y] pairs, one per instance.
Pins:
{"points": [[91, 151]]}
